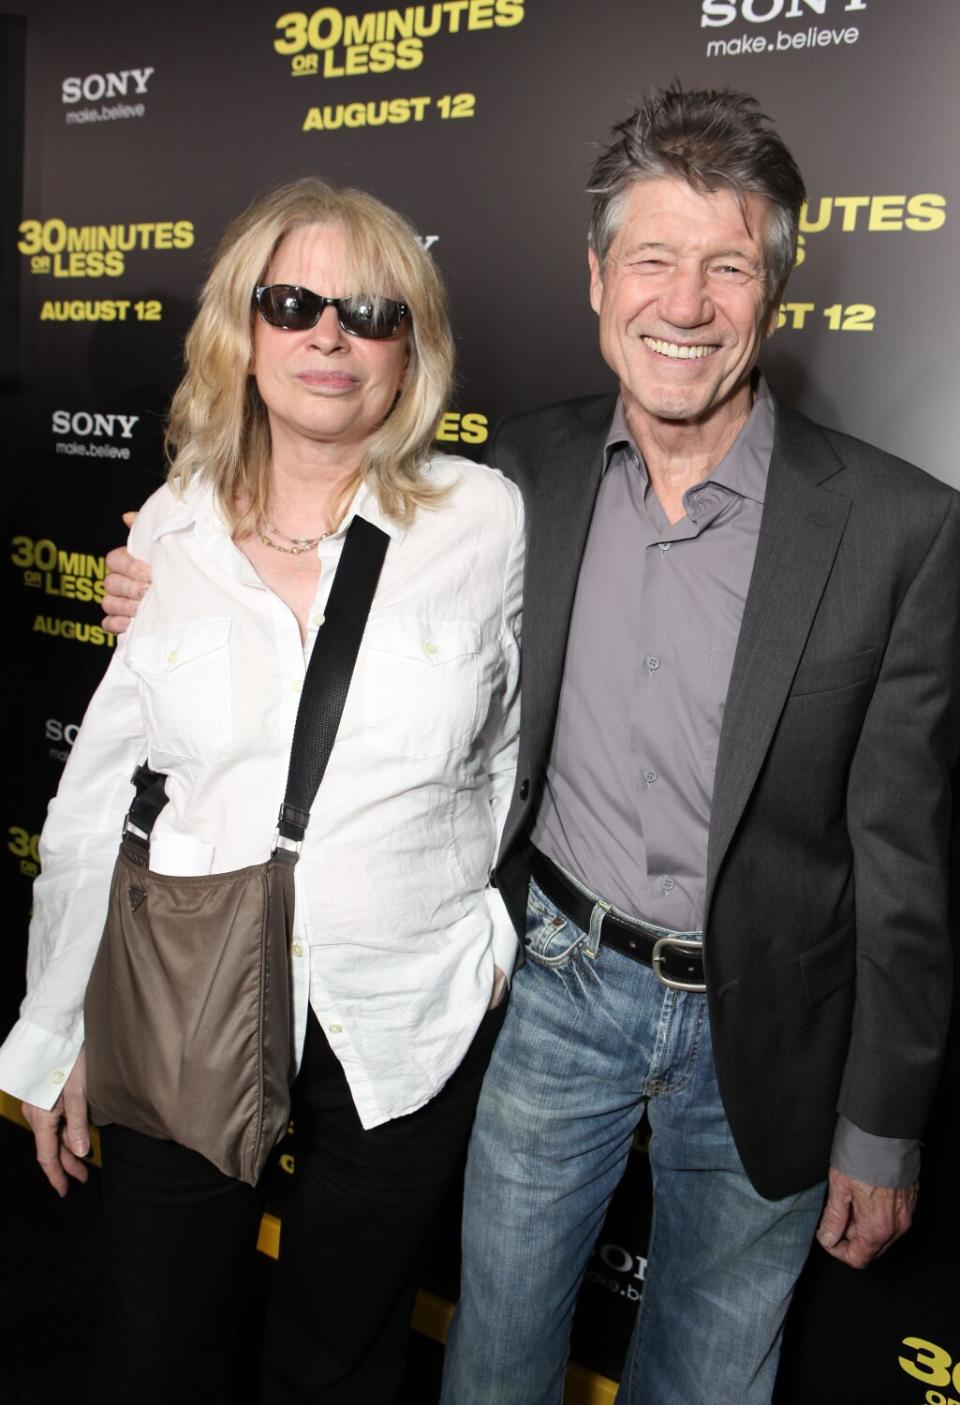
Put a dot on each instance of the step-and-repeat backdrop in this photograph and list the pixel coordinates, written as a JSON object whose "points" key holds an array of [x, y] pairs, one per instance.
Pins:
{"points": [[131, 134]]}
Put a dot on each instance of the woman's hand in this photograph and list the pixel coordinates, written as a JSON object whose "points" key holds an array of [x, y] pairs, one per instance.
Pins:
{"points": [[61, 1134], [124, 586]]}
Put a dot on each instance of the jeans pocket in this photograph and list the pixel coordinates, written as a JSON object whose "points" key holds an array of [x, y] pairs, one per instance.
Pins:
{"points": [[551, 939]]}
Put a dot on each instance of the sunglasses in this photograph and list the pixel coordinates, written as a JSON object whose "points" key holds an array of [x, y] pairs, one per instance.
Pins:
{"points": [[296, 309]]}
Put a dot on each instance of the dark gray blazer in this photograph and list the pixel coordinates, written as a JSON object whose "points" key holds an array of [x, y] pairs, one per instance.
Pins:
{"points": [[827, 953]]}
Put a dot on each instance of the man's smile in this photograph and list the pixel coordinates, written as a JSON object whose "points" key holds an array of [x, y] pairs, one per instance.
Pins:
{"points": [[680, 351]]}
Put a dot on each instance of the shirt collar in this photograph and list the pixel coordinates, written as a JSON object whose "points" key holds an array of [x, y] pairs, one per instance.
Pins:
{"points": [[619, 437], [743, 468]]}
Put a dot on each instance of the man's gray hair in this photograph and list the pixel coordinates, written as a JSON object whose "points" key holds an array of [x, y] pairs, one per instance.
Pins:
{"points": [[714, 140]]}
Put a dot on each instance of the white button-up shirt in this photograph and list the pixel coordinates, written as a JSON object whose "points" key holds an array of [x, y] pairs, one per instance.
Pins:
{"points": [[396, 931]]}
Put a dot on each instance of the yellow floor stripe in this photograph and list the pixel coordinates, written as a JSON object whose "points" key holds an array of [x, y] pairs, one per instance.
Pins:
{"points": [[431, 1315], [268, 1240], [587, 1388]]}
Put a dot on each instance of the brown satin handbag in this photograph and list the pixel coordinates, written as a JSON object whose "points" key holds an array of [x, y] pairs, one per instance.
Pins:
{"points": [[187, 1016]]}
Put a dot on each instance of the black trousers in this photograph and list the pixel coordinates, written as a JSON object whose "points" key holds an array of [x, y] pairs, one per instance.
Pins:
{"points": [[179, 1237]]}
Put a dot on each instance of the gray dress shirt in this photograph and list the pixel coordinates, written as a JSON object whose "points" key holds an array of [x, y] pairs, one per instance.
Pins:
{"points": [[655, 624]]}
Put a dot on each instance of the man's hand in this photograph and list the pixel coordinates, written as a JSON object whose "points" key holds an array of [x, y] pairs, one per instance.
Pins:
{"points": [[62, 1135], [124, 586], [861, 1221]]}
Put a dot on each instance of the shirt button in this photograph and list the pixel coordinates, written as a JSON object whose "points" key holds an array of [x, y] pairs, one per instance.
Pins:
{"points": [[296, 686], [652, 662], [57, 1076], [335, 1028], [172, 656], [664, 547], [297, 949], [524, 789], [650, 777], [668, 885], [318, 620], [429, 647]]}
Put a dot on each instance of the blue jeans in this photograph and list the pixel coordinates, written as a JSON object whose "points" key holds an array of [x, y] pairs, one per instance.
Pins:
{"points": [[591, 1040]]}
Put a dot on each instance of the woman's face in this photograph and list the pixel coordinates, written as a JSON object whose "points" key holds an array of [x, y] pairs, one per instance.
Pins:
{"points": [[323, 385]]}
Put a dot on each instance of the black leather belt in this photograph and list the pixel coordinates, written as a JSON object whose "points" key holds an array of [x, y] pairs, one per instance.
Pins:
{"points": [[675, 961]]}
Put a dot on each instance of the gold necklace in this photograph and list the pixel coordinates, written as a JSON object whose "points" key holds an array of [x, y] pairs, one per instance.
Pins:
{"points": [[298, 545]]}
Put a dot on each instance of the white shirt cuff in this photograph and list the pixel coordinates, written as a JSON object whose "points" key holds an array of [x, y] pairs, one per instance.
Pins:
{"points": [[504, 936], [35, 1064]]}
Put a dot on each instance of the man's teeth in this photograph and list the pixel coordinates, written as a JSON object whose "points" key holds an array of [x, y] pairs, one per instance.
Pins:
{"points": [[682, 353]]}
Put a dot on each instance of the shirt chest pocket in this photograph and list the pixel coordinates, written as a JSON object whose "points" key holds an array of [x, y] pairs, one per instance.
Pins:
{"points": [[184, 679], [421, 685]]}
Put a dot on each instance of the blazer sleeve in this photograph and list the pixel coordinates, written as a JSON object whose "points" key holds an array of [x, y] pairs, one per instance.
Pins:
{"points": [[898, 820]]}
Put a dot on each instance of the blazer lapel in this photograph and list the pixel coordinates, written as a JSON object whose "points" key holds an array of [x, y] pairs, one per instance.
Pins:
{"points": [[559, 518], [799, 536]]}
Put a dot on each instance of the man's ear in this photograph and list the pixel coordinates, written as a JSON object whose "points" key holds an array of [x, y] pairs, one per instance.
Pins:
{"points": [[596, 279]]}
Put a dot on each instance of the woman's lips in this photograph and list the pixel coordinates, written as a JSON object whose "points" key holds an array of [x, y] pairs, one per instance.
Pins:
{"points": [[328, 380]]}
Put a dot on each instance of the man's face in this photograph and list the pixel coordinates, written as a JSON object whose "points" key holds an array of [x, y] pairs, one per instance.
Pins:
{"points": [[682, 301]]}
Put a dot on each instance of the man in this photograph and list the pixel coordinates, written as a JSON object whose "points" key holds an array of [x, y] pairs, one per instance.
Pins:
{"points": [[726, 852], [739, 714]]}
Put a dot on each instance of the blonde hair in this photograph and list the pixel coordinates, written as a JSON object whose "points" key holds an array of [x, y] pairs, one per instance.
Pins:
{"points": [[217, 425]]}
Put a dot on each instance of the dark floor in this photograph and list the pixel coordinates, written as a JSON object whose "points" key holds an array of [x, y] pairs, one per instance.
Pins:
{"points": [[841, 1345], [48, 1275]]}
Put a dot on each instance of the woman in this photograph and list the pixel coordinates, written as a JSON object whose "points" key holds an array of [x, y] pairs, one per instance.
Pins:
{"points": [[317, 369]]}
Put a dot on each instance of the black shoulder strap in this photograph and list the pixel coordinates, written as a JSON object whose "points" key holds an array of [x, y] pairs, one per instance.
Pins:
{"points": [[329, 672], [148, 801]]}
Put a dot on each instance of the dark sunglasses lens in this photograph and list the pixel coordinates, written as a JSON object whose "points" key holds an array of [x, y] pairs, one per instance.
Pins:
{"points": [[295, 309], [284, 305], [373, 318]]}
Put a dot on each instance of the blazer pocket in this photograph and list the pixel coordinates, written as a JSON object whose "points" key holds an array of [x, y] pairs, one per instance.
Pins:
{"points": [[829, 965], [830, 675], [184, 678], [421, 685]]}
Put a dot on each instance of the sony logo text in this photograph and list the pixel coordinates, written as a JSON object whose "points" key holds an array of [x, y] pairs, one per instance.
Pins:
{"points": [[106, 85], [94, 426], [61, 731], [715, 13]]}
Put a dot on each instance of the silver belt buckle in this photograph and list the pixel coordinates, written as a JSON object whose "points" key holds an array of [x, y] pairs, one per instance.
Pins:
{"points": [[681, 944]]}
